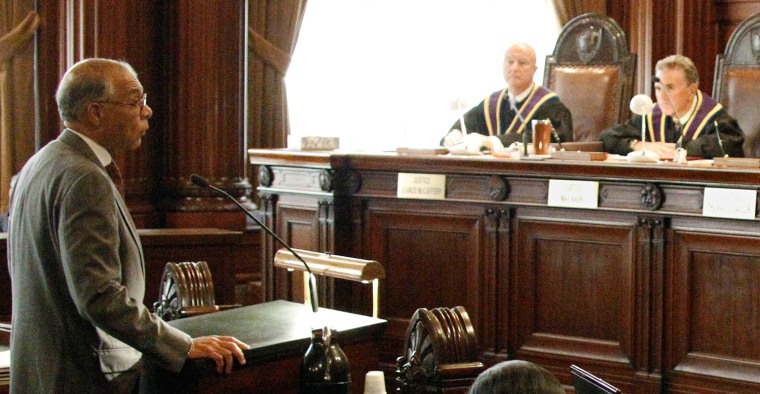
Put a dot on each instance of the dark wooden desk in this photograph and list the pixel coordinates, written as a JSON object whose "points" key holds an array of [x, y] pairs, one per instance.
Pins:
{"points": [[279, 333], [644, 290]]}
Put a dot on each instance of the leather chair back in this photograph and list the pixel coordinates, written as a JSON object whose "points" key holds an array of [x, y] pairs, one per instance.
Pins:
{"points": [[592, 71], [737, 81]]}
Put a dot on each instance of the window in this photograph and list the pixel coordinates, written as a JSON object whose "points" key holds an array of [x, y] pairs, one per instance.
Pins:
{"points": [[381, 74]]}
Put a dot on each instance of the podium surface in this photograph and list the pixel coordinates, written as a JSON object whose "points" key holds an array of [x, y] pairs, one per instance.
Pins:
{"points": [[279, 332]]}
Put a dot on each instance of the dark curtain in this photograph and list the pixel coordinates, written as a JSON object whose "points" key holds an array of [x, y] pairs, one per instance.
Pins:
{"points": [[569, 9], [17, 28], [273, 33]]}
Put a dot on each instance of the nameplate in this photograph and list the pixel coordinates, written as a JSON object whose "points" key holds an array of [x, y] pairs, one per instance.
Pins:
{"points": [[729, 203], [421, 186], [573, 194], [313, 143]]}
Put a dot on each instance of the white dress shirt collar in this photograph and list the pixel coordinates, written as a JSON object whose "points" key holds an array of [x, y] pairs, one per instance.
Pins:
{"points": [[101, 152], [522, 95]]}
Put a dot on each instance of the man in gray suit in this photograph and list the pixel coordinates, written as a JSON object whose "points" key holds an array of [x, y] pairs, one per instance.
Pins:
{"points": [[76, 262]]}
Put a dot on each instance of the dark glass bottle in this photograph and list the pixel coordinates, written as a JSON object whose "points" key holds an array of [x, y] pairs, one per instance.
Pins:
{"points": [[325, 368]]}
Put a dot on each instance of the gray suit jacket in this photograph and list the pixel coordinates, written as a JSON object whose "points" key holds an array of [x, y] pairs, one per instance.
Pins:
{"points": [[78, 278]]}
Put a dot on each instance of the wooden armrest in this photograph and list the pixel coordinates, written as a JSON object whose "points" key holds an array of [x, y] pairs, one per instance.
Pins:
{"points": [[460, 370], [198, 310], [229, 306]]}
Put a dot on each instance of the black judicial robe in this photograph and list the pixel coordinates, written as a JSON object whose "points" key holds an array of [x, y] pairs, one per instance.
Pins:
{"points": [[494, 117], [697, 135]]}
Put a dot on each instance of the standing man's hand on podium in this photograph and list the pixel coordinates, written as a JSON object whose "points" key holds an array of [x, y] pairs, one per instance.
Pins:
{"points": [[218, 348]]}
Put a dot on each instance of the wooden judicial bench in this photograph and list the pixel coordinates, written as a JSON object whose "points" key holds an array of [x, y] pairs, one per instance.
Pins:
{"points": [[643, 291], [279, 332]]}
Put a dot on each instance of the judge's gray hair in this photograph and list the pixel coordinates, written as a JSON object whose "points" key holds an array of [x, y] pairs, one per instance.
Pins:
{"points": [[680, 62]]}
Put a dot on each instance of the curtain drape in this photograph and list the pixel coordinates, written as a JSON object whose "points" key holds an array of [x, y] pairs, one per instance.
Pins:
{"points": [[13, 39], [273, 34], [569, 9]]}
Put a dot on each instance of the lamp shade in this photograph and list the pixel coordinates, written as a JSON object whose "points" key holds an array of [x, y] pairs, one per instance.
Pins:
{"points": [[330, 265]]}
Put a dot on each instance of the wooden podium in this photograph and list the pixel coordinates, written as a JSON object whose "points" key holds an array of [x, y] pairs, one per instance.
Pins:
{"points": [[279, 332]]}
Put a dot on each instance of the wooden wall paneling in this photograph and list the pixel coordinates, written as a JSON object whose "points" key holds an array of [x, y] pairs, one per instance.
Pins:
{"points": [[130, 31], [574, 292], [267, 205], [206, 49], [657, 29], [50, 66], [700, 39], [434, 254], [297, 223], [649, 303], [495, 280], [215, 246], [730, 13], [639, 33], [713, 307]]}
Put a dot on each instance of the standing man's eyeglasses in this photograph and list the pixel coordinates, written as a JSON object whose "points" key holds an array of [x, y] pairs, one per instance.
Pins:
{"points": [[142, 102]]}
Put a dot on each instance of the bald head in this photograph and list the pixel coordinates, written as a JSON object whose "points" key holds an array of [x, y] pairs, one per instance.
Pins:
{"points": [[519, 67], [90, 80]]}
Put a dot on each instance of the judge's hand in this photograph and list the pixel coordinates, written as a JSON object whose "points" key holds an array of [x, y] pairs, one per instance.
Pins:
{"points": [[220, 349], [452, 138], [476, 142], [664, 149]]}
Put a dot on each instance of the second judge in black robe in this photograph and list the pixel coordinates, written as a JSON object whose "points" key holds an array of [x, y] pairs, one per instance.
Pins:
{"points": [[700, 117]]}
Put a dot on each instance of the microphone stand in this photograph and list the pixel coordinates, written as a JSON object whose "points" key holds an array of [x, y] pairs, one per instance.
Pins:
{"points": [[202, 182], [720, 143], [559, 141]]}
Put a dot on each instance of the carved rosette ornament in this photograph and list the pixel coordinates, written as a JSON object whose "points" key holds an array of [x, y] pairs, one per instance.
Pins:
{"points": [[326, 181], [498, 188], [265, 176], [347, 182], [651, 197]]}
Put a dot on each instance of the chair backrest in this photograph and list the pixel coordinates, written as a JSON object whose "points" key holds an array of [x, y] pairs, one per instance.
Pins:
{"points": [[186, 289], [592, 71], [737, 81], [586, 383], [441, 351]]}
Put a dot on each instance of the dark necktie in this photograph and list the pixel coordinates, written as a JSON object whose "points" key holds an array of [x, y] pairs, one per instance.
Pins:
{"points": [[115, 174]]}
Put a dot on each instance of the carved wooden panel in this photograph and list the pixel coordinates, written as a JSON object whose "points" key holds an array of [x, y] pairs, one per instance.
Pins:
{"points": [[297, 223], [205, 105], [433, 256], [714, 303], [575, 289]]}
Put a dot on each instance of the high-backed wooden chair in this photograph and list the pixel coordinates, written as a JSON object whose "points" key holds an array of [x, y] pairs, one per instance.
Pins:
{"points": [[592, 71], [737, 81], [440, 353], [187, 289]]}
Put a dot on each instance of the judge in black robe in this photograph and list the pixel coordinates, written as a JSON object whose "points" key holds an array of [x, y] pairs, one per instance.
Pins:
{"points": [[683, 117]]}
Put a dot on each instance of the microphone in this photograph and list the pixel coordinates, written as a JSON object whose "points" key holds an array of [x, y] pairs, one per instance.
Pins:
{"points": [[202, 182], [641, 104], [513, 106], [720, 143]]}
